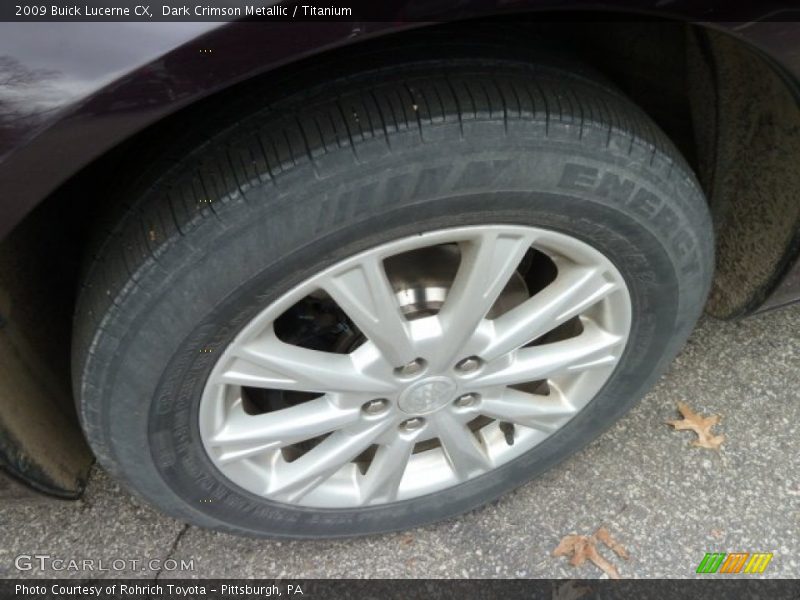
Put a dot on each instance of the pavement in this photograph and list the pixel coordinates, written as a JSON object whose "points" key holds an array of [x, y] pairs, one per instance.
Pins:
{"points": [[666, 502]]}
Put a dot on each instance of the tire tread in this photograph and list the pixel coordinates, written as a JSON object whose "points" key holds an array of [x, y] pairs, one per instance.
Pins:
{"points": [[368, 115]]}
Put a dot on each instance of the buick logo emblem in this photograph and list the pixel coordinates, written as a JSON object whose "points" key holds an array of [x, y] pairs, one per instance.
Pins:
{"points": [[427, 395]]}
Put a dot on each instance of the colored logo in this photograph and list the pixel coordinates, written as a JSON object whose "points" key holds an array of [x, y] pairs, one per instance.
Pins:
{"points": [[734, 563]]}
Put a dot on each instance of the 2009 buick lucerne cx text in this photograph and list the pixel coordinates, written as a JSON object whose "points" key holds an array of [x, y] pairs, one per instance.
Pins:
{"points": [[318, 279]]}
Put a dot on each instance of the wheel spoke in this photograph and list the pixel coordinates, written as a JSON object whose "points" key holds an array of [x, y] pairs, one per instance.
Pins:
{"points": [[293, 480], [529, 410], [487, 265], [382, 480], [245, 435], [272, 364], [463, 451], [365, 294], [573, 291], [592, 348]]}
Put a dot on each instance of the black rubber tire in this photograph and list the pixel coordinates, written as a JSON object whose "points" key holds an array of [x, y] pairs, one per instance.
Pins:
{"points": [[255, 208]]}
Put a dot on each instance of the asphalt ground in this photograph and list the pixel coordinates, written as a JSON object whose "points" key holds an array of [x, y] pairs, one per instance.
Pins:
{"points": [[666, 502]]}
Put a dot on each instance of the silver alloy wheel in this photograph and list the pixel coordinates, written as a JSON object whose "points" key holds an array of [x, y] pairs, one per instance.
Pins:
{"points": [[424, 401]]}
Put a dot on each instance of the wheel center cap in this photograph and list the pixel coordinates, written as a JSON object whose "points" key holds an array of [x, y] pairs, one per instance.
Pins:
{"points": [[427, 395]]}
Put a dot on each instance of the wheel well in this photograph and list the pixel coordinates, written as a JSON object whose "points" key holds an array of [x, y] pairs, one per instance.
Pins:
{"points": [[728, 109]]}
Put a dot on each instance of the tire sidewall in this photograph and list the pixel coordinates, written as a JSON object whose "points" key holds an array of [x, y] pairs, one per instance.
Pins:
{"points": [[269, 239]]}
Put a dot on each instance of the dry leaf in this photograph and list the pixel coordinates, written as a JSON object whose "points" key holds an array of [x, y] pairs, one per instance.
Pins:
{"points": [[604, 536], [583, 547], [568, 545], [700, 425]]}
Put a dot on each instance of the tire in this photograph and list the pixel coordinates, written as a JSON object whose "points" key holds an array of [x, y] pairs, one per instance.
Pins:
{"points": [[257, 208]]}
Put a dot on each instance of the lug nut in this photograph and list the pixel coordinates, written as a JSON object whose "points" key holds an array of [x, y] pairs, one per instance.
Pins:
{"points": [[374, 407], [468, 365], [467, 400], [415, 367], [412, 424]]}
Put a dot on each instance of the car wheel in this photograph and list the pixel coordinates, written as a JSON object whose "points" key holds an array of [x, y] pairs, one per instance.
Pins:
{"points": [[388, 298]]}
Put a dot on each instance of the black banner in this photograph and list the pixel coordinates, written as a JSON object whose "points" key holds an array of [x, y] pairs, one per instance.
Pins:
{"points": [[382, 589], [387, 10]]}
